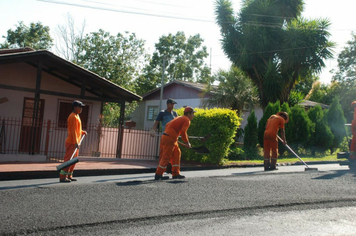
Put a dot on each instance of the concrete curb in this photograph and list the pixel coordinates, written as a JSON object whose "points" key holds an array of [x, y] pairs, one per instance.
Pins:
{"points": [[19, 175]]}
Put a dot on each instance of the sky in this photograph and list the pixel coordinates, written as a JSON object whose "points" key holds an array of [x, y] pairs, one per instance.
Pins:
{"points": [[151, 19]]}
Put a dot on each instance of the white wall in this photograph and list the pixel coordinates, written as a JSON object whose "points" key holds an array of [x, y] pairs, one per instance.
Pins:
{"points": [[23, 75], [245, 115], [195, 103]]}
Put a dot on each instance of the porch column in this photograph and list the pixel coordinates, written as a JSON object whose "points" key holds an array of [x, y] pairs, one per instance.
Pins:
{"points": [[35, 122], [121, 130]]}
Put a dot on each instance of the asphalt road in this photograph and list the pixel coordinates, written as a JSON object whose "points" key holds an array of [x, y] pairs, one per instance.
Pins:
{"points": [[238, 201]]}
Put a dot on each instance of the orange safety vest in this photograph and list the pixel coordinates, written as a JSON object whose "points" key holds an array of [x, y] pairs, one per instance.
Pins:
{"points": [[74, 128]]}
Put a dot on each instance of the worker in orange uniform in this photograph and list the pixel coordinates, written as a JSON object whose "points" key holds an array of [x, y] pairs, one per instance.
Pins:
{"points": [[270, 141], [75, 133], [169, 142], [353, 130]]}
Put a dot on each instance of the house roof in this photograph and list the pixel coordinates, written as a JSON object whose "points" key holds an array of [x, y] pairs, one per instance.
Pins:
{"points": [[307, 103], [104, 89], [197, 86]]}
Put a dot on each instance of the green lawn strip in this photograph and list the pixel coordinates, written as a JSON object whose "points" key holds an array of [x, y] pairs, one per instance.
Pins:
{"points": [[289, 159]]}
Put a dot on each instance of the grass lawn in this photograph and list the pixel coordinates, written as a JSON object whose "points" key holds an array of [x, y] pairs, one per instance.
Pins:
{"points": [[289, 159]]}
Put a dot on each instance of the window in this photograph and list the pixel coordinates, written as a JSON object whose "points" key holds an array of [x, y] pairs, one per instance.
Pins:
{"points": [[152, 112], [64, 110]]}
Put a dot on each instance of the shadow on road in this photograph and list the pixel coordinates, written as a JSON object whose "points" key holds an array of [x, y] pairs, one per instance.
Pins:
{"points": [[125, 178], [336, 174], [27, 186], [139, 182]]}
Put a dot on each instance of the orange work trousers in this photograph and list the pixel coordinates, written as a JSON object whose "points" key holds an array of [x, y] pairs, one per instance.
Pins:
{"points": [[68, 172], [270, 144], [170, 153]]}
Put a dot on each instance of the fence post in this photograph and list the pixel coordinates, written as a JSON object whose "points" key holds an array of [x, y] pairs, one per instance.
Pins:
{"points": [[120, 141], [47, 136]]}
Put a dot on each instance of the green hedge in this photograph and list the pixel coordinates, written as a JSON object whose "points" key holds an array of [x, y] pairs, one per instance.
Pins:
{"points": [[221, 124]]}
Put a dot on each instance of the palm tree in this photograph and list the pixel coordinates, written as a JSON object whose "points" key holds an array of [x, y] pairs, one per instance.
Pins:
{"points": [[235, 91], [273, 45]]}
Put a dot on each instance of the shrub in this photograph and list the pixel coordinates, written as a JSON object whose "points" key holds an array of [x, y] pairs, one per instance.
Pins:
{"points": [[221, 124], [299, 126], [251, 135], [321, 137], [336, 120], [235, 153]]}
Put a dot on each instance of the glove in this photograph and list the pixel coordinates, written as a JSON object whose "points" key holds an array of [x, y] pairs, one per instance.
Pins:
{"points": [[153, 133]]}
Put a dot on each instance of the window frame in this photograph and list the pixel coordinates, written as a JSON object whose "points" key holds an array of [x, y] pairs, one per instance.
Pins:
{"points": [[154, 112], [65, 108]]}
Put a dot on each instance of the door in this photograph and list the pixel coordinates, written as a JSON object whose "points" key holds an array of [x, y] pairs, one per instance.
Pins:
{"points": [[27, 131]]}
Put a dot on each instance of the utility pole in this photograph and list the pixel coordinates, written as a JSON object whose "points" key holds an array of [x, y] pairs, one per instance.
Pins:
{"points": [[161, 96]]}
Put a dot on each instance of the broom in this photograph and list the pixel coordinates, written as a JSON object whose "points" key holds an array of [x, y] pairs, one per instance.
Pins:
{"points": [[290, 149], [72, 160]]}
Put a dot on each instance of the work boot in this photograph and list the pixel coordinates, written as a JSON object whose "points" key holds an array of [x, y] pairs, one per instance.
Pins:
{"points": [[169, 168], [65, 180], [178, 177], [72, 179], [273, 164], [266, 165], [160, 177], [273, 168]]}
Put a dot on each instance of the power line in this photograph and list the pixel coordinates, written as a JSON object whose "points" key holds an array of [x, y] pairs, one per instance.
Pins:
{"points": [[252, 23], [125, 11]]}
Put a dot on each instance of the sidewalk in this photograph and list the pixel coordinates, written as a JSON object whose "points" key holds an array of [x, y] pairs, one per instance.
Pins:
{"points": [[88, 167]]}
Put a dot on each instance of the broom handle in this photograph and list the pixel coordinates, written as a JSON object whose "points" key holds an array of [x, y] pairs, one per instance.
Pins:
{"points": [[77, 148], [290, 149]]}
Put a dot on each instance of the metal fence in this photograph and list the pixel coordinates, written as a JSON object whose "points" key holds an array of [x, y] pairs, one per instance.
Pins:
{"points": [[16, 138]]}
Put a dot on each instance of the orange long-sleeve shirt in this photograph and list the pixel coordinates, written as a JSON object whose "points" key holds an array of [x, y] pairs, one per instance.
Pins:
{"points": [[74, 128], [178, 127], [274, 123]]}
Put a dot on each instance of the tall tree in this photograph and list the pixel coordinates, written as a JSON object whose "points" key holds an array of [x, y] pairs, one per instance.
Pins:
{"points": [[234, 91], [183, 59], [336, 120], [116, 58], [345, 77], [251, 135], [69, 39], [271, 43], [299, 126], [35, 36], [321, 137], [347, 62]]}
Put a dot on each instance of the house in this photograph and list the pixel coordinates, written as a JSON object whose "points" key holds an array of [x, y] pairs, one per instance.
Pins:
{"points": [[38, 86], [310, 104], [185, 93]]}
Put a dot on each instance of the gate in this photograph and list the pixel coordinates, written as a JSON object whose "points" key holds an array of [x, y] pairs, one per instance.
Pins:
{"points": [[100, 141]]}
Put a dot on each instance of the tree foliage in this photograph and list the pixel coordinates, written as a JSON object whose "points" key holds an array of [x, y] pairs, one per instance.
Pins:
{"points": [[347, 62], [272, 43], [116, 58], [183, 60], [345, 77], [299, 126], [35, 36], [321, 137], [234, 91], [336, 120], [251, 135]]}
